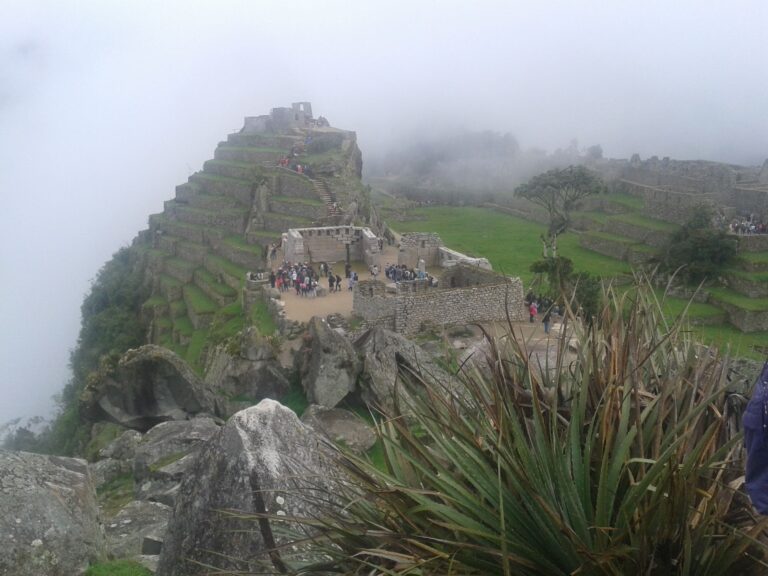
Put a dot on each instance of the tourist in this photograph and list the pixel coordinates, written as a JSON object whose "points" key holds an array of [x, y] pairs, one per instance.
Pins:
{"points": [[331, 282], [272, 279], [756, 444], [338, 283], [533, 310], [547, 319]]}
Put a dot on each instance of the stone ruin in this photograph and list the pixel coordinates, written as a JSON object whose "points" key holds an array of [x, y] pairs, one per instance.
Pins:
{"points": [[417, 246], [281, 119], [467, 291], [331, 244]]}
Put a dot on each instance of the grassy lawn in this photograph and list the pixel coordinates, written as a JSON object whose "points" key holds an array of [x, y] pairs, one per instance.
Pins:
{"points": [[199, 300], [228, 267], [209, 279], [510, 243], [241, 244], [118, 568], [736, 299], [195, 348], [749, 345], [625, 200], [645, 222], [262, 319]]}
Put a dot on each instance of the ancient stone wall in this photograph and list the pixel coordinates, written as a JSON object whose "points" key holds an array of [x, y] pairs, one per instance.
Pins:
{"points": [[371, 302], [314, 212], [753, 243], [329, 244], [459, 306], [415, 246], [408, 310], [745, 320], [463, 276], [447, 257]]}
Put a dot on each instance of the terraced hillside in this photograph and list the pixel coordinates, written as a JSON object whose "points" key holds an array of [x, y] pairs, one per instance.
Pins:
{"points": [[223, 220]]}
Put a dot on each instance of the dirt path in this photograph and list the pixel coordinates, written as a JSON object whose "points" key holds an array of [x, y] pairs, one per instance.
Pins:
{"points": [[302, 309]]}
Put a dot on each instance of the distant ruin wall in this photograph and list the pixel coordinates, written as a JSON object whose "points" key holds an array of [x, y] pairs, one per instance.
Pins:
{"points": [[753, 243], [407, 312], [415, 246], [329, 244]]}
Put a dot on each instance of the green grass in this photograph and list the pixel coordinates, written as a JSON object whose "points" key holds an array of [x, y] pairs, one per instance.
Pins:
{"points": [[195, 349], [215, 212], [739, 300], [167, 281], [178, 308], [219, 178], [673, 307], [241, 244], [164, 322], [625, 200], [118, 568], [262, 319], [181, 263], [645, 222], [228, 267], [254, 149], [153, 301], [611, 238], [752, 345], [107, 433], [271, 235], [295, 399], [229, 163], [183, 325], [115, 494], [755, 257], [210, 280], [199, 300], [229, 321], [511, 244], [751, 276]]}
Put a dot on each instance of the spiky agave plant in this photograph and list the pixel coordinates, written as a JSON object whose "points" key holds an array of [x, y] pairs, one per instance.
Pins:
{"points": [[614, 461]]}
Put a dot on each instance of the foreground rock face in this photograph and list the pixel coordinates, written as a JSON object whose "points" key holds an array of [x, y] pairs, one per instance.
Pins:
{"points": [[136, 525], [328, 365], [165, 454], [384, 353], [255, 464], [246, 369], [48, 516], [150, 385], [340, 426]]}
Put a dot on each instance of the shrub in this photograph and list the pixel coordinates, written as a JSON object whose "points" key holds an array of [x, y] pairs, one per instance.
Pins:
{"points": [[613, 458]]}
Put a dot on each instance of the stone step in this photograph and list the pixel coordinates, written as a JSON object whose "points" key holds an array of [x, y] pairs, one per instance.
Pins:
{"points": [[242, 254], [210, 202], [262, 140], [237, 170], [200, 308], [180, 269]]}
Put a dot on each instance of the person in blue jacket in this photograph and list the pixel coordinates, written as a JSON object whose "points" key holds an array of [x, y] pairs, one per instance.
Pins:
{"points": [[756, 442]]}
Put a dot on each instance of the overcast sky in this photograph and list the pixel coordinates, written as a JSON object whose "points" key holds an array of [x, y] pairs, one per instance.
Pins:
{"points": [[105, 106]]}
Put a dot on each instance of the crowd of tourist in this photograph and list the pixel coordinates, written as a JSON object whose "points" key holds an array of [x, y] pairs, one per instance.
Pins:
{"points": [[401, 273], [748, 225], [305, 280]]}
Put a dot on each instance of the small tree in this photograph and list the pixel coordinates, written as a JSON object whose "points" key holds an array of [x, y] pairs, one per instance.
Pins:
{"points": [[698, 249], [559, 192]]}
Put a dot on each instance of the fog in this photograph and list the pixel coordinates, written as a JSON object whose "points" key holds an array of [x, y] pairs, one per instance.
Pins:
{"points": [[105, 106]]}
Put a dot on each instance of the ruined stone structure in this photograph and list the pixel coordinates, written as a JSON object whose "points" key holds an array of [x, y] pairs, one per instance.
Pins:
{"points": [[465, 294], [280, 119], [670, 189], [331, 244], [417, 246]]}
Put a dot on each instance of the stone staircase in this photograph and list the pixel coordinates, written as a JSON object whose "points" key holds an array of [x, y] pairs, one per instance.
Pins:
{"points": [[325, 192]]}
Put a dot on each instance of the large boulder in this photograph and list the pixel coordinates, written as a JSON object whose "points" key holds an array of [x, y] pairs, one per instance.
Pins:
{"points": [[165, 454], [246, 369], [259, 462], [328, 365], [48, 516], [149, 385], [340, 427], [132, 529], [385, 354]]}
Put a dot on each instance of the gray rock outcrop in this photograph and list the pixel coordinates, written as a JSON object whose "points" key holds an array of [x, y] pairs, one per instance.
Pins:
{"points": [[340, 426], [166, 453], [384, 354], [246, 370], [137, 521], [258, 462], [123, 447], [150, 385], [48, 516], [328, 365]]}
